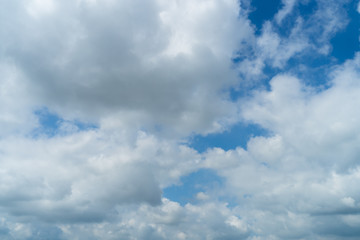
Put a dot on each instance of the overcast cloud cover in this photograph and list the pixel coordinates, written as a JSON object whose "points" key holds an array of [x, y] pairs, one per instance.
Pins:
{"points": [[101, 100]]}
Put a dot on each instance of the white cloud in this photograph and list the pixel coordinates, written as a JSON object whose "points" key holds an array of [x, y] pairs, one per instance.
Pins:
{"points": [[16, 109], [285, 10], [307, 169], [304, 35], [38, 8], [348, 201], [319, 121], [188, 22], [279, 50], [149, 74], [82, 177], [111, 63], [167, 221], [122, 66], [202, 196]]}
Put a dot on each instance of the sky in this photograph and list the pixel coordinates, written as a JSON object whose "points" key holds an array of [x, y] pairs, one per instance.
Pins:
{"points": [[168, 119]]}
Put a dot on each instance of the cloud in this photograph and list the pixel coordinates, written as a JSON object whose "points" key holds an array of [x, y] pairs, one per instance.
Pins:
{"points": [[38, 8], [144, 73], [146, 76], [16, 111], [90, 60], [303, 35], [84, 176], [279, 51], [285, 10], [213, 221], [168, 220], [319, 119], [304, 174]]}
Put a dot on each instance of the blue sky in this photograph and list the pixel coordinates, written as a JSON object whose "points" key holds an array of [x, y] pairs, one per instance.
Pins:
{"points": [[166, 119]]}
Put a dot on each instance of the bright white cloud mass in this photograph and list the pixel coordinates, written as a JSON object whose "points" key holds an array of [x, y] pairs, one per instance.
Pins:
{"points": [[101, 102]]}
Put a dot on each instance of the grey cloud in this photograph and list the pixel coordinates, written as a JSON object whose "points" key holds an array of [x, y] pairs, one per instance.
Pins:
{"points": [[97, 59], [169, 220], [84, 176]]}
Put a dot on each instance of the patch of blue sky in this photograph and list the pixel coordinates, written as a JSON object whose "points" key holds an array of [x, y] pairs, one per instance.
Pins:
{"points": [[306, 8], [51, 124], [345, 43], [310, 66], [261, 11], [302, 9], [203, 180], [237, 136], [313, 70]]}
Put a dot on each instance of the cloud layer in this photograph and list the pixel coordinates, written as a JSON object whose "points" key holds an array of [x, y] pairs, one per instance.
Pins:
{"points": [[126, 84]]}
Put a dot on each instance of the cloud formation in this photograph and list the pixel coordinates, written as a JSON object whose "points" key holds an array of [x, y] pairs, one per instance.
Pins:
{"points": [[162, 61], [303, 177], [125, 85]]}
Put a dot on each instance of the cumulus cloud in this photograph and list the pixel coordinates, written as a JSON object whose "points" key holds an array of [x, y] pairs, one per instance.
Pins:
{"points": [[320, 119], [307, 169], [84, 176], [162, 60], [145, 74], [128, 82], [170, 220]]}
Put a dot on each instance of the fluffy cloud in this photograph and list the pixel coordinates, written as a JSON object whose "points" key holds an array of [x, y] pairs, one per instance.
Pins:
{"points": [[162, 60], [131, 68], [170, 220], [319, 120], [84, 176], [147, 75], [300, 180]]}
